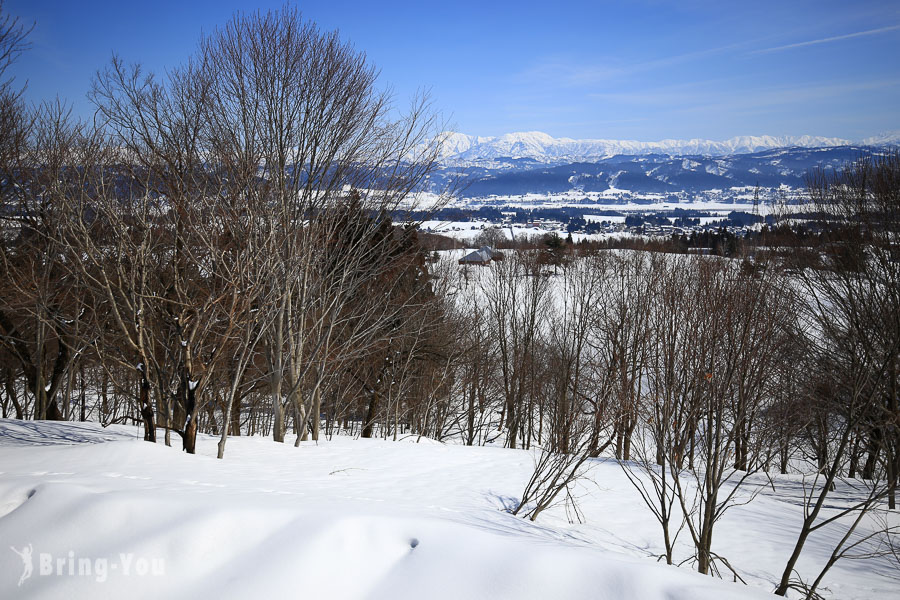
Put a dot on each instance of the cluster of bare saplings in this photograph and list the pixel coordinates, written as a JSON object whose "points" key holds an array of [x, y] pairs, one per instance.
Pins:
{"points": [[215, 253], [706, 377]]}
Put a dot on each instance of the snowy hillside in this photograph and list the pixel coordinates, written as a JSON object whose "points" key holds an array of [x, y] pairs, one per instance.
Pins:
{"points": [[887, 138], [653, 173], [536, 145], [352, 519]]}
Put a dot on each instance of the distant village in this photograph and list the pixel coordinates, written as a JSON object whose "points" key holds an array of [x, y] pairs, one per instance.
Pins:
{"points": [[738, 211], [581, 223]]}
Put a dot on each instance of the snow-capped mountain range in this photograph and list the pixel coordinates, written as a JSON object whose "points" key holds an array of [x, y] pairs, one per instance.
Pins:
{"points": [[462, 148]]}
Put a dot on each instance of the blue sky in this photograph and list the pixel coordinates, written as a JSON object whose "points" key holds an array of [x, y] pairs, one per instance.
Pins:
{"points": [[639, 69]]}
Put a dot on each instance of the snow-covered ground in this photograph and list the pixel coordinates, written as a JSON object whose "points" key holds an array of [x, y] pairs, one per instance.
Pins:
{"points": [[353, 519]]}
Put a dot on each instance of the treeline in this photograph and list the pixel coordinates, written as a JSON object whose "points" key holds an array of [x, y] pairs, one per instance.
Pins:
{"points": [[796, 245]]}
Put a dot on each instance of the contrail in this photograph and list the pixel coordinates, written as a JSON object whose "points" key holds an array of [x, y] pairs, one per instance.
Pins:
{"points": [[829, 39]]}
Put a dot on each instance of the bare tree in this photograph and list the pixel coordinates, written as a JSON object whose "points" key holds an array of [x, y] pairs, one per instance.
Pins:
{"points": [[853, 301], [516, 298], [556, 472], [664, 411], [572, 321], [40, 312], [623, 321], [14, 118], [299, 110]]}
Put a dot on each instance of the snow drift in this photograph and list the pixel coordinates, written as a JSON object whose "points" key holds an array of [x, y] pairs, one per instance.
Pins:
{"points": [[339, 519]]}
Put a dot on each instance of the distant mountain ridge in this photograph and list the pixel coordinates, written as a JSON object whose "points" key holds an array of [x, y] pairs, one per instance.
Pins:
{"points": [[460, 148], [656, 173]]}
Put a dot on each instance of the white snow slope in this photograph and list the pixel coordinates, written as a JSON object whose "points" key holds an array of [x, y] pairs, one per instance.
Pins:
{"points": [[348, 519]]}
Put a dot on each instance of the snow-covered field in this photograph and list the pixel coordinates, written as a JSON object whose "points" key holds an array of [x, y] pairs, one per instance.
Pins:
{"points": [[466, 231], [740, 199], [105, 515]]}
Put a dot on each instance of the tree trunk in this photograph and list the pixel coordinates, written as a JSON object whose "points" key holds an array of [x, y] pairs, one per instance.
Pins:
{"points": [[235, 420], [626, 445], [873, 448], [470, 418], [784, 459], [277, 411], [370, 415], [189, 439], [316, 413], [83, 414], [300, 416], [147, 411], [11, 394], [511, 427]]}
